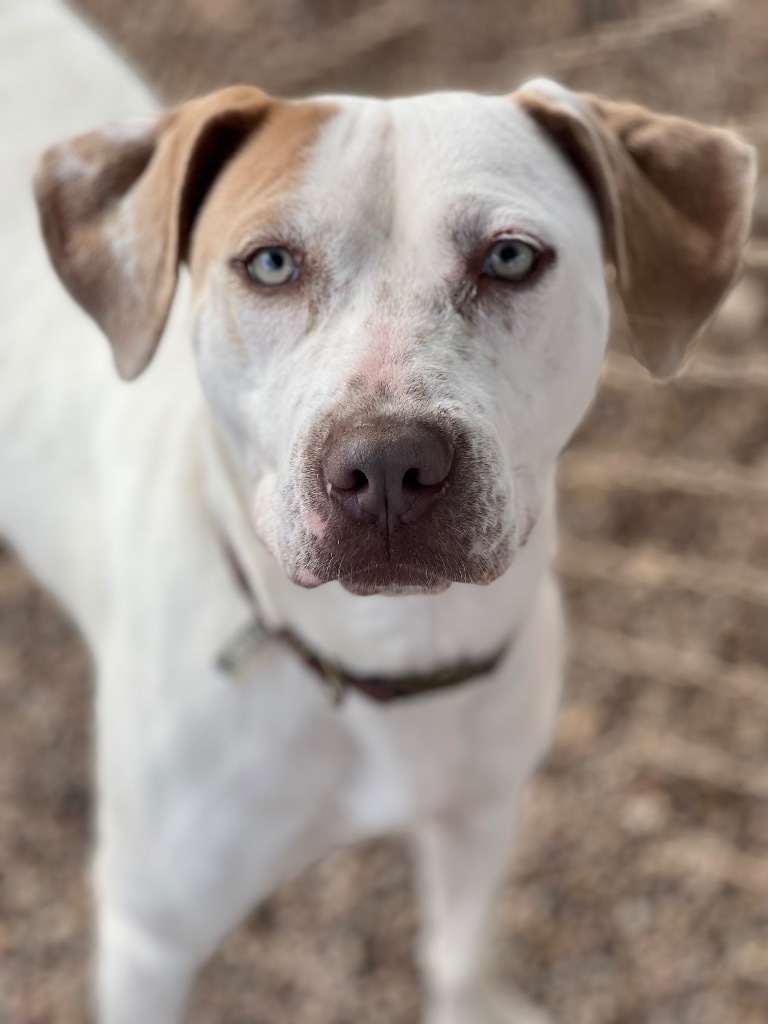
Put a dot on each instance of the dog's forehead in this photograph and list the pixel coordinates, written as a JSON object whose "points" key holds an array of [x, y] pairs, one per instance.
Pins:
{"points": [[436, 152], [436, 133]]}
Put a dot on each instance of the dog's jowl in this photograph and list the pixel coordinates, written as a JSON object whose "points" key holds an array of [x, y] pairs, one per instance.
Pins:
{"points": [[358, 334]]}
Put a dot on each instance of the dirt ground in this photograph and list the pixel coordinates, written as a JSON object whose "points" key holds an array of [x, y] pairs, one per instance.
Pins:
{"points": [[641, 894]]}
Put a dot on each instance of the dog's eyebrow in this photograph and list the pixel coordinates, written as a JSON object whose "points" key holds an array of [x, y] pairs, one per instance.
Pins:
{"points": [[475, 219], [283, 231]]}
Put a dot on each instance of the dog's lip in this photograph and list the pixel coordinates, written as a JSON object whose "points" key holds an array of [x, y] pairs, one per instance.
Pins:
{"points": [[363, 585], [393, 578], [379, 577], [370, 591], [400, 576]]}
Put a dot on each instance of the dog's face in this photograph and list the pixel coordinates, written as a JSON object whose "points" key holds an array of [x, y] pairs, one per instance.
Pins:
{"points": [[400, 308], [398, 324]]}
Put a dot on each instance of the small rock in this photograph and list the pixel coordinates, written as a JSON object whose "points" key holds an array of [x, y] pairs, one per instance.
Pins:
{"points": [[645, 814]]}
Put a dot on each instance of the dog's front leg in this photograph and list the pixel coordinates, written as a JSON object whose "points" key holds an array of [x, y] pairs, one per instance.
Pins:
{"points": [[141, 977], [462, 858], [204, 808]]}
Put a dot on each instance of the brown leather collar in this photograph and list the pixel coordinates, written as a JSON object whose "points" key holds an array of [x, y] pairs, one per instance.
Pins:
{"points": [[336, 680]]}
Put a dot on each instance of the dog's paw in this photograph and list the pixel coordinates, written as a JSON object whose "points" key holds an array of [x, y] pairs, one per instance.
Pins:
{"points": [[491, 1004]]}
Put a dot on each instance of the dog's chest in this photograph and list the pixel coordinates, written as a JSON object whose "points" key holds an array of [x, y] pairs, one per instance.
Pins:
{"points": [[423, 756], [406, 766]]}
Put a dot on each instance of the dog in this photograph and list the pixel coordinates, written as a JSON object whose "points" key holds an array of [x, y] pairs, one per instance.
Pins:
{"points": [[310, 546]]}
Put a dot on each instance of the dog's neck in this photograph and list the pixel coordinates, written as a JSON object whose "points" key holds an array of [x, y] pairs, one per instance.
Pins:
{"points": [[405, 633]]}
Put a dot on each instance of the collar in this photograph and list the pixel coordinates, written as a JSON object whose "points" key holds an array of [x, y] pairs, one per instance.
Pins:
{"points": [[336, 680]]}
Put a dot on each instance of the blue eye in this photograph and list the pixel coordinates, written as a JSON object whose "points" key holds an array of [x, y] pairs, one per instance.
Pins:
{"points": [[272, 266], [511, 259]]}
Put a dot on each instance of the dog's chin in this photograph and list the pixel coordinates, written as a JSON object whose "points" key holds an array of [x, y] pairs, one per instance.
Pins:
{"points": [[424, 573], [392, 580], [364, 586]]}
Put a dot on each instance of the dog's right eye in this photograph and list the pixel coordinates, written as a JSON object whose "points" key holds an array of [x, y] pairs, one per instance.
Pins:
{"points": [[272, 266]]}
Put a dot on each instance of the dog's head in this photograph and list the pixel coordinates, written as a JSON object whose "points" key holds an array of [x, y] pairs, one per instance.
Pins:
{"points": [[400, 306]]}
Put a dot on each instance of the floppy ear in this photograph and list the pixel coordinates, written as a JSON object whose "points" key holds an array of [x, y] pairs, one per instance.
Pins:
{"points": [[675, 198], [117, 209]]}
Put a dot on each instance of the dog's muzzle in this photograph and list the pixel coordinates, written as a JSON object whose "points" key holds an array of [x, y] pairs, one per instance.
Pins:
{"points": [[396, 503]]}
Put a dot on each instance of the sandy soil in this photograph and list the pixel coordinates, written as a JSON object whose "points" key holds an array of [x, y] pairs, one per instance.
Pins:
{"points": [[640, 894]]}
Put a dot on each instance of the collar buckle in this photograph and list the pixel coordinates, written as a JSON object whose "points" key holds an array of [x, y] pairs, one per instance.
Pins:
{"points": [[242, 648], [332, 681]]}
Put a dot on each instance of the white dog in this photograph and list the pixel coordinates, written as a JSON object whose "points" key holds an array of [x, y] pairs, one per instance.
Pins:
{"points": [[398, 316]]}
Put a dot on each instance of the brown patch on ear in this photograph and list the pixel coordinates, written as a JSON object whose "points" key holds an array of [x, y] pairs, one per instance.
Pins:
{"points": [[675, 198], [118, 207]]}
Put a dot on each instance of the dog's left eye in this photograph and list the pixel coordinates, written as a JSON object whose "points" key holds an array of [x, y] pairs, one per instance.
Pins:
{"points": [[272, 266], [511, 259]]}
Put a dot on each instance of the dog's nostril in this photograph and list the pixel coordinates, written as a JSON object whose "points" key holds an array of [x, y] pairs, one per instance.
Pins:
{"points": [[359, 481], [411, 480]]}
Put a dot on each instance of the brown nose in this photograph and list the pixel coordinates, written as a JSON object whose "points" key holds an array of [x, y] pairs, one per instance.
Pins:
{"points": [[387, 473]]}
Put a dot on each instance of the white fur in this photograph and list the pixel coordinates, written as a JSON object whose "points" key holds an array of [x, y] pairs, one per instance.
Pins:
{"points": [[211, 791]]}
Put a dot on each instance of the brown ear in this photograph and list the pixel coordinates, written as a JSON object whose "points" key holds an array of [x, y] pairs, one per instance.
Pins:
{"points": [[675, 198], [117, 208]]}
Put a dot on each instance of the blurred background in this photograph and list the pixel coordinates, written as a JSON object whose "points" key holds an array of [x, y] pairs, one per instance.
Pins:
{"points": [[641, 896]]}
